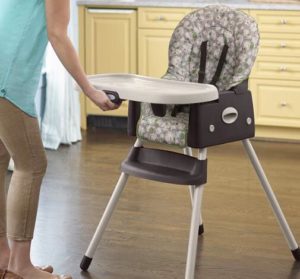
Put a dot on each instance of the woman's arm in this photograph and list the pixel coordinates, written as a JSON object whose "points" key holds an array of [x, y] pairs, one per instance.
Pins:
{"points": [[58, 16]]}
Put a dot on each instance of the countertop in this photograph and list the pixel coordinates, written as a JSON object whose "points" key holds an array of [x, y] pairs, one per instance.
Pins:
{"points": [[239, 4]]}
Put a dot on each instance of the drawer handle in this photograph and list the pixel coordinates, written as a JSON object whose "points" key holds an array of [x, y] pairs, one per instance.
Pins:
{"points": [[284, 21], [283, 68], [283, 104], [160, 18], [283, 44]]}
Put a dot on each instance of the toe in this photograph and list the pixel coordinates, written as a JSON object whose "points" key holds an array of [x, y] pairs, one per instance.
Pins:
{"points": [[46, 268]]}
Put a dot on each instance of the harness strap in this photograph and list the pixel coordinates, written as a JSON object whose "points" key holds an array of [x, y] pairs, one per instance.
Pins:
{"points": [[203, 57], [220, 66]]}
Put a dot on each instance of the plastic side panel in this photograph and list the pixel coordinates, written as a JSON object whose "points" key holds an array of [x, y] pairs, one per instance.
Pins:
{"points": [[207, 127]]}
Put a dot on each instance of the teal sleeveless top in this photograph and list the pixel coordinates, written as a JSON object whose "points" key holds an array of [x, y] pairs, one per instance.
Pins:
{"points": [[23, 40]]}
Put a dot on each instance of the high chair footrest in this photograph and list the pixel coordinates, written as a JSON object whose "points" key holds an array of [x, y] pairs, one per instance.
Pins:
{"points": [[165, 166]]}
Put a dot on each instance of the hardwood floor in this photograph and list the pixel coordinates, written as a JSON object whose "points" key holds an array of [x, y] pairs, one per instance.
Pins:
{"points": [[148, 234]]}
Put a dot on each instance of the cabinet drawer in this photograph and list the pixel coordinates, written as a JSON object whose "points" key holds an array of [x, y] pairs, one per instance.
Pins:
{"points": [[278, 21], [284, 68], [272, 44], [160, 18], [276, 103]]}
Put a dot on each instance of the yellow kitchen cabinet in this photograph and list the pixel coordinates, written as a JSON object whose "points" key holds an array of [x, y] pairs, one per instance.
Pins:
{"points": [[274, 80], [156, 26], [109, 47]]}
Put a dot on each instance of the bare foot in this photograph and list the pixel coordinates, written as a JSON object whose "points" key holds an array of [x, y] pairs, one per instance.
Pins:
{"points": [[46, 268], [35, 273], [20, 263], [4, 260]]}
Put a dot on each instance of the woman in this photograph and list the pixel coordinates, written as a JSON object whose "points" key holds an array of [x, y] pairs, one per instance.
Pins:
{"points": [[25, 28]]}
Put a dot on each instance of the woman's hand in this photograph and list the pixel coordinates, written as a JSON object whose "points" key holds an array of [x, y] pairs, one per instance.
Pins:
{"points": [[100, 99]]}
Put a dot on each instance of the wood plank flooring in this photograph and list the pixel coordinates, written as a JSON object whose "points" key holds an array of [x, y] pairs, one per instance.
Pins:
{"points": [[148, 234]]}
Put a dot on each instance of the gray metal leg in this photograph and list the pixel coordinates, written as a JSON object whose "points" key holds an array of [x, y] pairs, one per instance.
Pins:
{"points": [[202, 156], [195, 221], [87, 259], [188, 151], [273, 200], [200, 205], [193, 240]]}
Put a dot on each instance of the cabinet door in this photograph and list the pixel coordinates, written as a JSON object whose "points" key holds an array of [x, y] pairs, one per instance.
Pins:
{"points": [[153, 51], [110, 47]]}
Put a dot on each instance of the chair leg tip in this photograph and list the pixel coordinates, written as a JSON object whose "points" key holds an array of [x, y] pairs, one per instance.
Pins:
{"points": [[201, 229], [296, 254], [85, 263]]}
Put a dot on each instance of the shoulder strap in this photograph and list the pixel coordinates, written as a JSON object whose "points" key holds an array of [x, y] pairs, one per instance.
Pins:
{"points": [[220, 65], [203, 57]]}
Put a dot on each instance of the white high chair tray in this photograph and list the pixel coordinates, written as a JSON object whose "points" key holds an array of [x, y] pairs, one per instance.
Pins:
{"points": [[154, 90]]}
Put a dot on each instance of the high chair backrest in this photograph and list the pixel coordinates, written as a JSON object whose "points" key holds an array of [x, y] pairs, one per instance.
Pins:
{"points": [[211, 37]]}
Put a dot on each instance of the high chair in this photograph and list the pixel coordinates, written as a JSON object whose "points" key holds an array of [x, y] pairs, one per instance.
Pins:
{"points": [[213, 48]]}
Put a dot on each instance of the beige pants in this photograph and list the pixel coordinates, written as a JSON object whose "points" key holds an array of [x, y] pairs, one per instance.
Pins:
{"points": [[20, 139]]}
